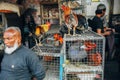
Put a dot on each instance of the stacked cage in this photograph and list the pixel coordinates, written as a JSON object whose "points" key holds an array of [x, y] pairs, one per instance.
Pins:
{"points": [[49, 51], [84, 56]]}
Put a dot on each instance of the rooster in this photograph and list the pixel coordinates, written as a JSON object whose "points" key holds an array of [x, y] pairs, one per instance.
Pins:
{"points": [[40, 30], [71, 19]]}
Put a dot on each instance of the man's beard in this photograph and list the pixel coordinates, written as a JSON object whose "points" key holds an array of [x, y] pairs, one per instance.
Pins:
{"points": [[10, 50]]}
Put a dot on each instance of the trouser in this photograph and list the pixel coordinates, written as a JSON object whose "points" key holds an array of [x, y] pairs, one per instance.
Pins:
{"points": [[110, 46]]}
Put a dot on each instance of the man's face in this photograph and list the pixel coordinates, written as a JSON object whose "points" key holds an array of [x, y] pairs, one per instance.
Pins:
{"points": [[9, 39], [12, 41], [34, 13], [103, 13]]}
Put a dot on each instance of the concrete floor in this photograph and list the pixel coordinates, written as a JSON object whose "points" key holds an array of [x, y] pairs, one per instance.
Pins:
{"points": [[111, 71], [112, 67]]}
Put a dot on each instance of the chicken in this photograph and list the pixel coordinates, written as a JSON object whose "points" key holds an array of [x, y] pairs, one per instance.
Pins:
{"points": [[45, 27], [42, 28], [71, 19], [66, 10]]}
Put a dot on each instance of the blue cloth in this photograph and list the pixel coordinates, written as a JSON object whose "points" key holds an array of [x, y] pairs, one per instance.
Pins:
{"points": [[21, 65]]}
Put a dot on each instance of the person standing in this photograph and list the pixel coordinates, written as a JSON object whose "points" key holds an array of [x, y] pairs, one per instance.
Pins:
{"points": [[19, 62], [109, 38], [29, 22], [104, 17]]}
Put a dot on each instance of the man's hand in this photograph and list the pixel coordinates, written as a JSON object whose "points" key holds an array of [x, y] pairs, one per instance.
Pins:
{"points": [[30, 34], [107, 33]]}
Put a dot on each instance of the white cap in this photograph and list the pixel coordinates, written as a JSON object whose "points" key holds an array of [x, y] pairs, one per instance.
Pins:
{"points": [[101, 6]]}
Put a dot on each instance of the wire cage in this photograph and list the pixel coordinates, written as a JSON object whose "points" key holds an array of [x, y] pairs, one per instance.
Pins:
{"points": [[49, 53], [84, 56]]}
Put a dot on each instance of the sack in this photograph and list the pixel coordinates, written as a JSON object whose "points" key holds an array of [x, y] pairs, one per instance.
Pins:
{"points": [[75, 53]]}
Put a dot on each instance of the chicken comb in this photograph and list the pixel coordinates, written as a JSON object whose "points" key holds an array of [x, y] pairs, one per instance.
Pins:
{"points": [[49, 24], [66, 10]]}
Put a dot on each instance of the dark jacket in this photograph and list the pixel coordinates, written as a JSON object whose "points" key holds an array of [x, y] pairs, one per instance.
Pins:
{"points": [[22, 64]]}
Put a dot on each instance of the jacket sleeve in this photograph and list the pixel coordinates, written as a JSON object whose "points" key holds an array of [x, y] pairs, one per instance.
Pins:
{"points": [[35, 66]]}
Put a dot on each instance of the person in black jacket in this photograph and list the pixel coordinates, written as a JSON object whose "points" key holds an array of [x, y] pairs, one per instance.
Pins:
{"points": [[97, 26], [29, 26]]}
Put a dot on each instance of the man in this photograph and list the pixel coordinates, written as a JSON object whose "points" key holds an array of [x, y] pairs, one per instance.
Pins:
{"points": [[30, 20], [19, 63], [29, 26], [97, 24], [103, 17], [109, 38]]}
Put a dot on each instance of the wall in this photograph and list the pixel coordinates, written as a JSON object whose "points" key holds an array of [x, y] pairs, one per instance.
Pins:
{"points": [[92, 6], [116, 9]]}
